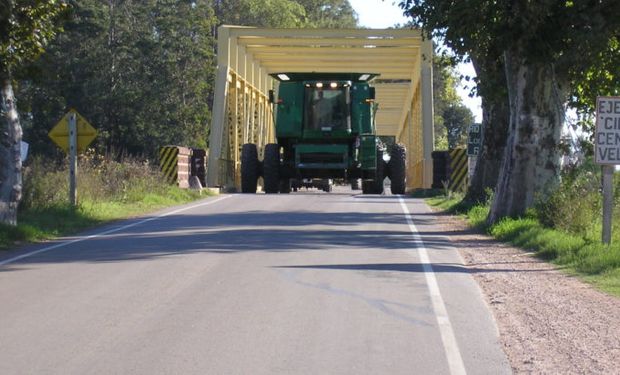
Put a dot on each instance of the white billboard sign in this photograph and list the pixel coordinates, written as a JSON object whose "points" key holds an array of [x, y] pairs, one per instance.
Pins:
{"points": [[607, 137]]}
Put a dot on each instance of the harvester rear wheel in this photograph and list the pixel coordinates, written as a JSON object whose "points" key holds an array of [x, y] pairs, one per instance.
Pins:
{"points": [[376, 186], [271, 168], [285, 186], [249, 168], [378, 182], [398, 169]]}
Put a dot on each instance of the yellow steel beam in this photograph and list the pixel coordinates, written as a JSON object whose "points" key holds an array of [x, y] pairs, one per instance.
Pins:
{"points": [[241, 31], [327, 42], [331, 58], [348, 67], [262, 52]]}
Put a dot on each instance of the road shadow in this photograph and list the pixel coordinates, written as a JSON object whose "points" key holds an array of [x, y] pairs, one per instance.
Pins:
{"points": [[235, 232], [248, 231], [406, 267]]}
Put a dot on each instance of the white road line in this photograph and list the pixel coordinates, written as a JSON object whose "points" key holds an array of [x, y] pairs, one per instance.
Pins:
{"points": [[453, 355], [66, 243]]}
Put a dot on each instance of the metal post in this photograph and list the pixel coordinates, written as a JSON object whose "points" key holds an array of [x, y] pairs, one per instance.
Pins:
{"points": [[608, 201], [73, 159]]}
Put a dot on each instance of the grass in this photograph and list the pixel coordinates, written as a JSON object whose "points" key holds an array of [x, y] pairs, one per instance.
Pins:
{"points": [[580, 255], [108, 191]]}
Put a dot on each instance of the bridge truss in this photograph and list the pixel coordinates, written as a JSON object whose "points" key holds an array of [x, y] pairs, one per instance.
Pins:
{"points": [[246, 56]]}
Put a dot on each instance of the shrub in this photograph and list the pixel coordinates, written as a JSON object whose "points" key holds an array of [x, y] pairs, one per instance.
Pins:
{"points": [[575, 205], [46, 183]]}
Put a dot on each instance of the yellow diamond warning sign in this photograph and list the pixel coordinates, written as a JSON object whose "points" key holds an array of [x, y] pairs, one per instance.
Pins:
{"points": [[85, 132]]}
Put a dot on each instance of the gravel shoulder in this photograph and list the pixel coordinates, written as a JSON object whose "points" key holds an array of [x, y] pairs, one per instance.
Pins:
{"points": [[549, 322]]}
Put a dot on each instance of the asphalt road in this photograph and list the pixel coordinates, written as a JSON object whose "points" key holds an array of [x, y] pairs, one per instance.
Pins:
{"points": [[306, 283]]}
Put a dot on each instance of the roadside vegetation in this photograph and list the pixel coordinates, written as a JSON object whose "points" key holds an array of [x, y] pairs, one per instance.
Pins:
{"points": [[564, 229], [107, 190]]}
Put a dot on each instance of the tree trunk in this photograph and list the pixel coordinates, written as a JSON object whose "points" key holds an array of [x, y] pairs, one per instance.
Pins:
{"points": [[531, 163], [495, 131], [10, 153], [495, 119]]}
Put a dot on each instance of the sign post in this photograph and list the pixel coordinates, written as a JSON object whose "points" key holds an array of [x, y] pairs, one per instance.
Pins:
{"points": [[73, 134], [73, 159], [607, 153]]}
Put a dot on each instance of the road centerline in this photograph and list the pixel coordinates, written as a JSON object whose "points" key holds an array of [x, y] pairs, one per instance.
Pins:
{"points": [[453, 354]]}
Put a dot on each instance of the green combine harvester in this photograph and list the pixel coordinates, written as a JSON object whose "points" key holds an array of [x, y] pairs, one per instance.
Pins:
{"points": [[325, 129]]}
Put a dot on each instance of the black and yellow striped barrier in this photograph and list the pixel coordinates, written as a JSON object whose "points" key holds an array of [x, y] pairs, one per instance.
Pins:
{"points": [[174, 162], [458, 169], [168, 162]]}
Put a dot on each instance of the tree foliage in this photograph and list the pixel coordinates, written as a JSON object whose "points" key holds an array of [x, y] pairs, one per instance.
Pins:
{"points": [[260, 13], [452, 117], [602, 78], [331, 14], [541, 45], [140, 72], [26, 27]]}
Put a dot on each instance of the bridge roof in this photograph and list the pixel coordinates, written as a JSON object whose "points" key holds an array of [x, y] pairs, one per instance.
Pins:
{"points": [[394, 54]]}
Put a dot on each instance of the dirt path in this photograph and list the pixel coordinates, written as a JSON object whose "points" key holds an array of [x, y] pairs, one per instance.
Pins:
{"points": [[549, 323]]}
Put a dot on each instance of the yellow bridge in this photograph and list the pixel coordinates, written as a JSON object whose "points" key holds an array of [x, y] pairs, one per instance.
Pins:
{"points": [[246, 56]]}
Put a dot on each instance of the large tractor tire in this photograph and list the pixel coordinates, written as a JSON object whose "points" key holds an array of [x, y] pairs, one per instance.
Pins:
{"points": [[398, 169], [271, 168], [285, 186], [376, 186], [367, 187], [249, 168]]}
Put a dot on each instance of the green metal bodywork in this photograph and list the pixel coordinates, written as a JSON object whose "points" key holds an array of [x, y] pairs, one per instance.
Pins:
{"points": [[311, 146]]}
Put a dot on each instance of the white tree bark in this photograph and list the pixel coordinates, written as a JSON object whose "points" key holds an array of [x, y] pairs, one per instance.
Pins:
{"points": [[531, 164], [10, 156]]}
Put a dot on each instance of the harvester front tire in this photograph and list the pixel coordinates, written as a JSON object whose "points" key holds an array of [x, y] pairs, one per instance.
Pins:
{"points": [[249, 168], [271, 168], [285, 186], [375, 186], [398, 169], [378, 182]]}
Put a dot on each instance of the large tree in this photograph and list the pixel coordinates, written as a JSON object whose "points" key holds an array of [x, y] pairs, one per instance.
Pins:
{"points": [[474, 42], [539, 43], [331, 14], [26, 27], [451, 116], [601, 79], [286, 13], [260, 13], [139, 71]]}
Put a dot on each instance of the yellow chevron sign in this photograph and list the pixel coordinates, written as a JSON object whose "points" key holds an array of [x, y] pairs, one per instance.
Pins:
{"points": [[85, 132]]}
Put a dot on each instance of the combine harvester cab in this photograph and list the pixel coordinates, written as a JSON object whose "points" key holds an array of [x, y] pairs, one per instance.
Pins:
{"points": [[325, 130]]}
